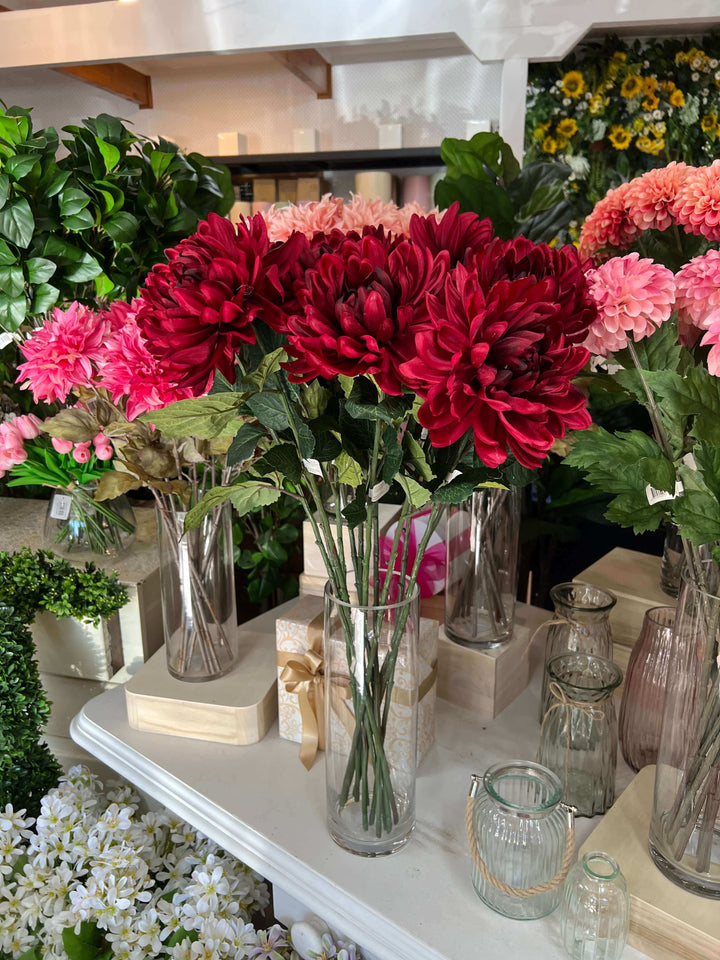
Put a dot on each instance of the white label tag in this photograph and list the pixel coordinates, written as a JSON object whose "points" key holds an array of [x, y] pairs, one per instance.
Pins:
{"points": [[60, 507], [657, 496], [689, 461], [379, 490], [313, 466], [5, 339]]}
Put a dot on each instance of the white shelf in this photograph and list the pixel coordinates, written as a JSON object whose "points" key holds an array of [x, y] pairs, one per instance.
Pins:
{"points": [[259, 803]]}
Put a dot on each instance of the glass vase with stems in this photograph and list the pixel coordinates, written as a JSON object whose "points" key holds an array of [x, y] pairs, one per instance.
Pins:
{"points": [[78, 525]]}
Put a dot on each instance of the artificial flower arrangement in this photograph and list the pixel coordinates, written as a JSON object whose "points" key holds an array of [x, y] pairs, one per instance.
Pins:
{"points": [[343, 368], [615, 108], [95, 877], [656, 340]]}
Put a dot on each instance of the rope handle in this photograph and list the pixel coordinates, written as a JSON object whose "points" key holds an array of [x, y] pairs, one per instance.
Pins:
{"points": [[544, 887]]}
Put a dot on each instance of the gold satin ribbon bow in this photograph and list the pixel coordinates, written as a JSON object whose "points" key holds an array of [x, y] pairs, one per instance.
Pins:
{"points": [[303, 674]]}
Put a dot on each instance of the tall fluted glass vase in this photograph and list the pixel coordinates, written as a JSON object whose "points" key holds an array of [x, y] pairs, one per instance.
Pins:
{"points": [[481, 573], [685, 827], [371, 721], [198, 592]]}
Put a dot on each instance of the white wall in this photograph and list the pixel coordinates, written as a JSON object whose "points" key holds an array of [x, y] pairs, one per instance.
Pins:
{"points": [[258, 97]]}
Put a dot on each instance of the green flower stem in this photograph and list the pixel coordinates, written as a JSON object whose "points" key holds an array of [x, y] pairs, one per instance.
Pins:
{"points": [[404, 512]]}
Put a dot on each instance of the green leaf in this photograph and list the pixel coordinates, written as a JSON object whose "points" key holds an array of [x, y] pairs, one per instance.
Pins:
{"points": [[72, 201], [707, 460], [30, 954], [114, 483], [84, 945], [20, 165], [660, 351], [79, 221], [327, 446], [269, 410], [58, 183], [4, 189], [659, 473], [12, 312], [475, 156], [274, 552], [72, 423], [697, 514], [17, 223], [355, 513], [696, 394], [39, 269], [12, 281], [205, 417], [349, 471], [282, 459], [482, 197], [159, 162], [86, 268], [110, 154], [103, 286], [346, 383], [462, 487], [305, 436], [44, 297], [393, 456], [315, 399], [417, 457], [122, 228], [269, 365], [416, 495], [7, 257], [246, 497], [244, 444]]}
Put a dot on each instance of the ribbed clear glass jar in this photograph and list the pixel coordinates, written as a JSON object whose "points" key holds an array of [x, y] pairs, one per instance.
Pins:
{"points": [[521, 829], [578, 738], [595, 911], [582, 615]]}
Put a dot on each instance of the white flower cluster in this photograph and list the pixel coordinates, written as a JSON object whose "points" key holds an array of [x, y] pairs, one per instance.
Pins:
{"points": [[145, 884]]}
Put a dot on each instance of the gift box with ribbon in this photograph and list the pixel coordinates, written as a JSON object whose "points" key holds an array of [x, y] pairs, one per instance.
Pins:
{"points": [[301, 708]]}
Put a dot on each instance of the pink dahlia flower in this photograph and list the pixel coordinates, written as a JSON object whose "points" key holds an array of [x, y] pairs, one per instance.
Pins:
{"points": [[609, 227], [633, 297], [320, 216], [63, 353], [697, 205], [697, 289], [649, 198], [712, 339]]}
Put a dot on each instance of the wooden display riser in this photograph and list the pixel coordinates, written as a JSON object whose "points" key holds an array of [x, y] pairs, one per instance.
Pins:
{"points": [[666, 922]]}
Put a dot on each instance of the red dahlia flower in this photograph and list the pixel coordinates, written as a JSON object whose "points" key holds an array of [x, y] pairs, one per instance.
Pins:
{"points": [[361, 305], [495, 362], [198, 308], [456, 233]]}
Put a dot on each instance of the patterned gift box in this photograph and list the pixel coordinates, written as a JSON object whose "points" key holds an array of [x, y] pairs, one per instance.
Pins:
{"points": [[300, 680]]}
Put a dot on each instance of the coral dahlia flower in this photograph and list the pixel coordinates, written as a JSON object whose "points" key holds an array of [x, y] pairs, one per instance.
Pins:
{"points": [[697, 293], [609, 226], [697, 205], [649, 198], [493, 362], [633, 297]]}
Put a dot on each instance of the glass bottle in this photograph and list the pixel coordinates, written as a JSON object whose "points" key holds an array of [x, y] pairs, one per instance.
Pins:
{"points": [[643, 696], [78, 526], [578, 738], [197, 589], [371, 721], [581, 625], [481, 573], [522, 834], [685, 825], [595, 909], [672, 561]]}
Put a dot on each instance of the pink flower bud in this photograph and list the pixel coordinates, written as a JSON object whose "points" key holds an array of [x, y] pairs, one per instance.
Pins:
{"points": [[61, 446], [103, 451], [28, 426], [100, 439], [81, 453]]}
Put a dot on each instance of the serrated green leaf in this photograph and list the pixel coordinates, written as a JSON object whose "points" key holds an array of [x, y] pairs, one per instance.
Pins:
{"points": [[204, 417], [17, 223], [660, 351], [346, 384], [72, 201], [462, 487], [44, 297], [269, 365], [416, 495], [349, 471], [327, 446], [269, 410], [707, 459], [38, 269], [355, 513], [417, 457], [696, 394], [315, 399], [110, 154], [246, 497], [244, 444], [659, 473], [393, 456], [697, 514], [281, 459], [12, 281]]}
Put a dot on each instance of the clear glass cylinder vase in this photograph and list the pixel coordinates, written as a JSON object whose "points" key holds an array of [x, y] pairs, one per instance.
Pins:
{"points": [[643, 697], [521, 837], [482, 568], [672, 561], [371, 721], [77, 526], [685, 826], [595, 910], [197, 588], [578, 737], [580, 624]]}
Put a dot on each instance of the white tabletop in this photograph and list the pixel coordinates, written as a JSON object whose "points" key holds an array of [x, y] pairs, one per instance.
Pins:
{"points": [[261, 804]]}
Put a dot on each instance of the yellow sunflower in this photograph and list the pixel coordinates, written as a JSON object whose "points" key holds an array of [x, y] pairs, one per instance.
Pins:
{"points": [[566, 127], [708, 123], [573, 84], [619, 55], [550, 145], [596, 103], [677, 98], [644, 144], [650, 102], [650, 85], [620, 137], [632, 86]]}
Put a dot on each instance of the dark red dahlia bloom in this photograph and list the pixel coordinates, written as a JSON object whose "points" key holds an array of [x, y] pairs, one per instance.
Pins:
{"points": [[512, 259], [495, 362], [457, 234], [197, 309], [361, 306]]}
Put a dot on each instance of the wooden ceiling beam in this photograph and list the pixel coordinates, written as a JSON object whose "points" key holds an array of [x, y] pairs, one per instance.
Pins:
{"points": [[310, 67]]}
